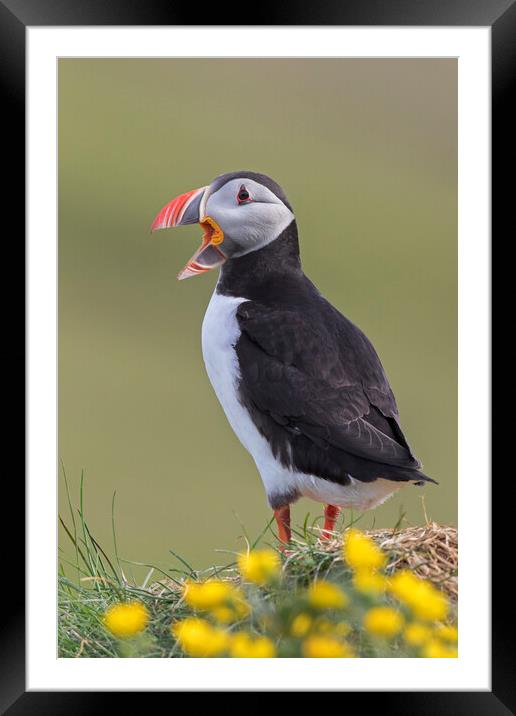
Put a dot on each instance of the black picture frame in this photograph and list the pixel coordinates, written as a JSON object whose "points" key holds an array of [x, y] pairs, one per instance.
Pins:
{"points": [[500, 16]]}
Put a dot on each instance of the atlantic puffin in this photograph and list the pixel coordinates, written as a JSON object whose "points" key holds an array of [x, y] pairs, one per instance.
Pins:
{"points": [[302, 386]]}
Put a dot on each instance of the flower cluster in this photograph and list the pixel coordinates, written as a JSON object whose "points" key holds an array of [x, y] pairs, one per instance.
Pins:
{"points": [[417, 609], [425, 601], [357, 609], [224, 603]]}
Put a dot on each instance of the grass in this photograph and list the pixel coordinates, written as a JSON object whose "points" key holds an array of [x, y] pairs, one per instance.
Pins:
{"points": [[91, 581]]}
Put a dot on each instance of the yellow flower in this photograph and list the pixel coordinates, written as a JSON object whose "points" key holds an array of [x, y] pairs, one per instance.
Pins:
{"points": [[361, 552], [425, 601], [243, 646], [325, 595], [126, 620], [326, 626], [435, 649], [199, 638], [224, 615], [207, 595], [223, 600], [325, 647], [383, 621], [301, 625], [368, 582], [404, 585], [237, 609], [417, 634], [447, 632], [260, 566]]}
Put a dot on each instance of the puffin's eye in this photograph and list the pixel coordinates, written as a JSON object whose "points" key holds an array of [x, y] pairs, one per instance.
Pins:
{"points": [[243, 195]]}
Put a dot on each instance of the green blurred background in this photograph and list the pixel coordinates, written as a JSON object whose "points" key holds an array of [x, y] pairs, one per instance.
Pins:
{"points": [[366, 151]]}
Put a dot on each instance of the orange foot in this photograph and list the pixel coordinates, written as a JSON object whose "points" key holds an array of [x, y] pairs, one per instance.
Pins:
{"points": [[331, 514], [282, 516]]}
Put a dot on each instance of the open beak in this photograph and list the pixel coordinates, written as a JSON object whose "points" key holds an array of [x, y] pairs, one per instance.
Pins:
{"points": [[189, 209]]}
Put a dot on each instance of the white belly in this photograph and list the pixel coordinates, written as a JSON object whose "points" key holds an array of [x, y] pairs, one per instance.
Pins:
{"points": [[220, 332]]}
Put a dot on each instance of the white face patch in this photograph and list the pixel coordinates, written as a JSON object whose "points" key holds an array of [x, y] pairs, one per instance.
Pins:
{"points": [[249, 225]]}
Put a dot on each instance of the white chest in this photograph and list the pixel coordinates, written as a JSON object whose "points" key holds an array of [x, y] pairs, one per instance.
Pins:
{"points": [[220, 332]]}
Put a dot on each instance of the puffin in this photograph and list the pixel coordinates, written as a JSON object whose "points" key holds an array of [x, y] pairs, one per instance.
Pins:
{"points": [[301, 386]]}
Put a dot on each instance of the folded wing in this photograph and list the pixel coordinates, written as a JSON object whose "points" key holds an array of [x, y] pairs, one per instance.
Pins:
{"points": [[315, 375]]}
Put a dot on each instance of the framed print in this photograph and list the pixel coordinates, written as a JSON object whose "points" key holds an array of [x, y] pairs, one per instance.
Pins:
{"points": [[140, 503]]}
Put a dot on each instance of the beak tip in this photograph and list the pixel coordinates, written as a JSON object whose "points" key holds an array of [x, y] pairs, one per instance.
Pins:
{"points": [[157, 224]]}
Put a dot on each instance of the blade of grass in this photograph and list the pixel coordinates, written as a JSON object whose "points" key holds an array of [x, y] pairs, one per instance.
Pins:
{"points": [[74, 542], [146, 580], [84, 533], [184, 562], [257, 540], [400, 520], [305, 526], [242, 526], [355, 521], [145, 564], [99, 548], [68, 497], [114, 536]]}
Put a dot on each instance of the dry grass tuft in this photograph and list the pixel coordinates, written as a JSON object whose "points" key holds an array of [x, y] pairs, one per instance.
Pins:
{"points": [[431, 551]]}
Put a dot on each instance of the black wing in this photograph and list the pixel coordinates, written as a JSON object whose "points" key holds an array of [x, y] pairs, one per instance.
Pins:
{"points": [[314, 375]]}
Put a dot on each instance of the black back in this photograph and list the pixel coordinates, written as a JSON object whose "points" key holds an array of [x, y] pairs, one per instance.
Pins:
{"points": [[311, 380]]}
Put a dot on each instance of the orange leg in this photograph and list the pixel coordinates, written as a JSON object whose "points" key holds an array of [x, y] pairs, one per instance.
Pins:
{"points": [[282, 516], [331, 514]]}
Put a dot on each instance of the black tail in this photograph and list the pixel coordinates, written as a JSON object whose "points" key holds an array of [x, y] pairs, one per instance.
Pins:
{"points": [[421, 478]]}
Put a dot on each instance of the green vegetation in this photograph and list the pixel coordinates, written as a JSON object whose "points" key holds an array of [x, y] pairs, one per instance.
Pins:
{"points": [[319, 598]]}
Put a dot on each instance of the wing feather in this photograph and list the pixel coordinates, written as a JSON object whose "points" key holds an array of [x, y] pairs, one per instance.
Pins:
{"points": [[327, 385]]}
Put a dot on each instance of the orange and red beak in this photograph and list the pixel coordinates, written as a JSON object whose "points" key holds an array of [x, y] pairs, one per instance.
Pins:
{"points": [[189, 209]]}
